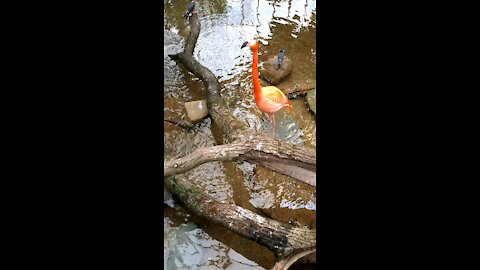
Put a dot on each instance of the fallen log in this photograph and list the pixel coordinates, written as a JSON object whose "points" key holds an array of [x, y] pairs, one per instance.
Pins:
{"points": [[292, 160], [282, 238], [217, 106]]}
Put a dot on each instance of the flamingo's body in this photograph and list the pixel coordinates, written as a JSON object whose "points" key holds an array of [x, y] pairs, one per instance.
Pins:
{"points": [[268, 99]]}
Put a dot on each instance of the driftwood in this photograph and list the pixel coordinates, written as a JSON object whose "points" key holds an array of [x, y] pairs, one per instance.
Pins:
{"points": [[283, 239], [217, 106], [295, 161], [283, 167]]}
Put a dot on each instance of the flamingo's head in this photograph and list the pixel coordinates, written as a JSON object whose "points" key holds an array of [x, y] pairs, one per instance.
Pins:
{"points": [[253, 44]]}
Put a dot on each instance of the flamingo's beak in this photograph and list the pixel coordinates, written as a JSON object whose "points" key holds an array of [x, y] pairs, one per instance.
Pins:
{"points": [[288, 106], [244, 44]]}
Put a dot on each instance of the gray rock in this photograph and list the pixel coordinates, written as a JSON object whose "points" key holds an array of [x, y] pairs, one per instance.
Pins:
{"points": [[275, 74], [172, 43], [311, 100], [170, 38], [173, 83], [196, 110]]}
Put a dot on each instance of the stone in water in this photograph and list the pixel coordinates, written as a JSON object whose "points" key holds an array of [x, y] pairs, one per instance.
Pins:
{"points": [[196, 110]]}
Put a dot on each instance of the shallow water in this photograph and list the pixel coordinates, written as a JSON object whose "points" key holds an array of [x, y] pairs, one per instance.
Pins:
{"points": [[188, 247], [225, 25]]}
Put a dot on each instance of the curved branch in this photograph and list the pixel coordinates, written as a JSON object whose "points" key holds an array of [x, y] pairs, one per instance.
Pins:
{"points": [[295, 161], [285, 263], [218, 109]]}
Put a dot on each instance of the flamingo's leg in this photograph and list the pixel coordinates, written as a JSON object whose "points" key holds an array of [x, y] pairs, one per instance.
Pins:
{"points": [[273, 124], [266, 129]]}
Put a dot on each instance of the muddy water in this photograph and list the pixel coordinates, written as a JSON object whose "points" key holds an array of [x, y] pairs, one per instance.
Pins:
{"points": [[225, 25]]}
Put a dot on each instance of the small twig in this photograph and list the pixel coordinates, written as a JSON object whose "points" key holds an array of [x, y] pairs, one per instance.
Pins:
{"points": [[298, 94], [181, 123], [266, 79]]}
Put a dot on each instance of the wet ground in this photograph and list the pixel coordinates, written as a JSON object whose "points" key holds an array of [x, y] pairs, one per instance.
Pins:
{"points": [[225, 25]]}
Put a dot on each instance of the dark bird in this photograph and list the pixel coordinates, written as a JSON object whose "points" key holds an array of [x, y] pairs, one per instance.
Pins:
{"points": [[190, 9], [281, 54]]}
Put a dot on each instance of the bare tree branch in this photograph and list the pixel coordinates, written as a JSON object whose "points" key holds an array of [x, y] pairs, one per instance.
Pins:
{"points": [[295, 161], [217, 106]]}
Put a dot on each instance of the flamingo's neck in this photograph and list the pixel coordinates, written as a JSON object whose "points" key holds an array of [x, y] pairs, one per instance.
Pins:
{"points": [[256, 82]]}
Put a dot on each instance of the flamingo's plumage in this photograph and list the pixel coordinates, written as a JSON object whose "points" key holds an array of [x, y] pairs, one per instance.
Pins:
{"points": [[268, 99], [271, 100]]}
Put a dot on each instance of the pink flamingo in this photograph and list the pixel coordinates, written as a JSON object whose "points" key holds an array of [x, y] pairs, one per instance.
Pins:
{"points": [[268, 99]]}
